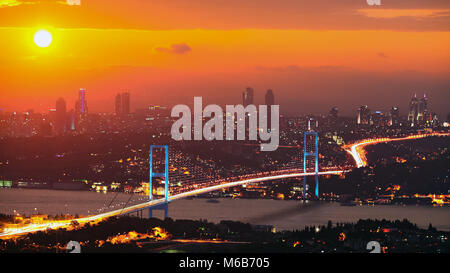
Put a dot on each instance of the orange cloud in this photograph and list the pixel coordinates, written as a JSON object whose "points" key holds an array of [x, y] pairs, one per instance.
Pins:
{"points": [[10, 3], [430, 15], [15, 3], [394, 13], [175, 49], [73, 2]]}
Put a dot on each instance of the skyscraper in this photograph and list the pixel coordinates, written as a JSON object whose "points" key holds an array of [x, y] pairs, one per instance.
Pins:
{"points": [[61, 116], [378, 119], [125, 103], [394, 116], [122, 104], [418, 111], [247, 96], [118, 105], [422, 114], [270, 98], [82, 107], [413, 110], [363, 115], [81, 110]]}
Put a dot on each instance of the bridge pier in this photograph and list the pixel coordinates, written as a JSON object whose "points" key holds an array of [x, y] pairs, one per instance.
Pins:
{"points": [[164, 207], [165, 175], [317, 185], [315, 154], [304, 186]]}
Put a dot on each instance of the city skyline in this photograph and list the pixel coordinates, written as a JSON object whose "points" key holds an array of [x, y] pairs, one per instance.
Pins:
{"points": [[122, 106], [258, 98]]}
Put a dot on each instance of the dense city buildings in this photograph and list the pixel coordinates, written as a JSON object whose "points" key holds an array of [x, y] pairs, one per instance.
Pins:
{"points": [[62, 120], [155, 122], [109, 152]]}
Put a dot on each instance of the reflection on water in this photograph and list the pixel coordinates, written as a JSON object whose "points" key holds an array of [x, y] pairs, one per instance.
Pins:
{"points": [[289, 215], [283, 215], [53, 202]]}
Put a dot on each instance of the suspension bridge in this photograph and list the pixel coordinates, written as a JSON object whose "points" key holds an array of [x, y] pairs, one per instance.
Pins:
{"points": [[197, 184]]}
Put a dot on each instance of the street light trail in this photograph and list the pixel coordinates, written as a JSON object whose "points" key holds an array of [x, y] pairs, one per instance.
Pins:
{"points": [[356, 150]]}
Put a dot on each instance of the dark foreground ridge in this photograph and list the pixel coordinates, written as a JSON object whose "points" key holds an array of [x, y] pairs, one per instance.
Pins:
{"points": [[132, 234]]}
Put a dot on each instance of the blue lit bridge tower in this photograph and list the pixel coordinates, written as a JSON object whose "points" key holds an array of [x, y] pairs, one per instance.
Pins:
{"points": [[164, 175], [311, 149]]}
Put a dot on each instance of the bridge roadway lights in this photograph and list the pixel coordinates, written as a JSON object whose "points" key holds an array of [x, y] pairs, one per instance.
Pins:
{"points": [[165, 175], [315, 154]]}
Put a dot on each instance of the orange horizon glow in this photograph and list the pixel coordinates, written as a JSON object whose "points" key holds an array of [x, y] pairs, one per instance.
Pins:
{"points": [[160, 53]]}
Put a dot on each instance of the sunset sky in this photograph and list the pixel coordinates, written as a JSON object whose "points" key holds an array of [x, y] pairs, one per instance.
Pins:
{"points": [[314, 54]]}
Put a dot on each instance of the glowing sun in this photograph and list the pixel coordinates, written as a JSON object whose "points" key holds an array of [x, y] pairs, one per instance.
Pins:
{"points": [[42, 38]]}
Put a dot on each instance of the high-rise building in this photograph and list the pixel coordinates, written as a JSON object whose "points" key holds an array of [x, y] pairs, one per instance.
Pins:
{"points": [[413, 110], [378, 119], [81, 110], [61, 116], [270, 98], [418, 111], [433, 120], [422, 114], [363, 115], [82, 107], [118, 105], [125, 103], [394, 116], [122, 104], [247, 96]]}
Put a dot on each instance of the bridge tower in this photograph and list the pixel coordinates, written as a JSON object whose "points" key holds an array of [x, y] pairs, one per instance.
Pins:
{"points": [[311, 151], [165, 175]]}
